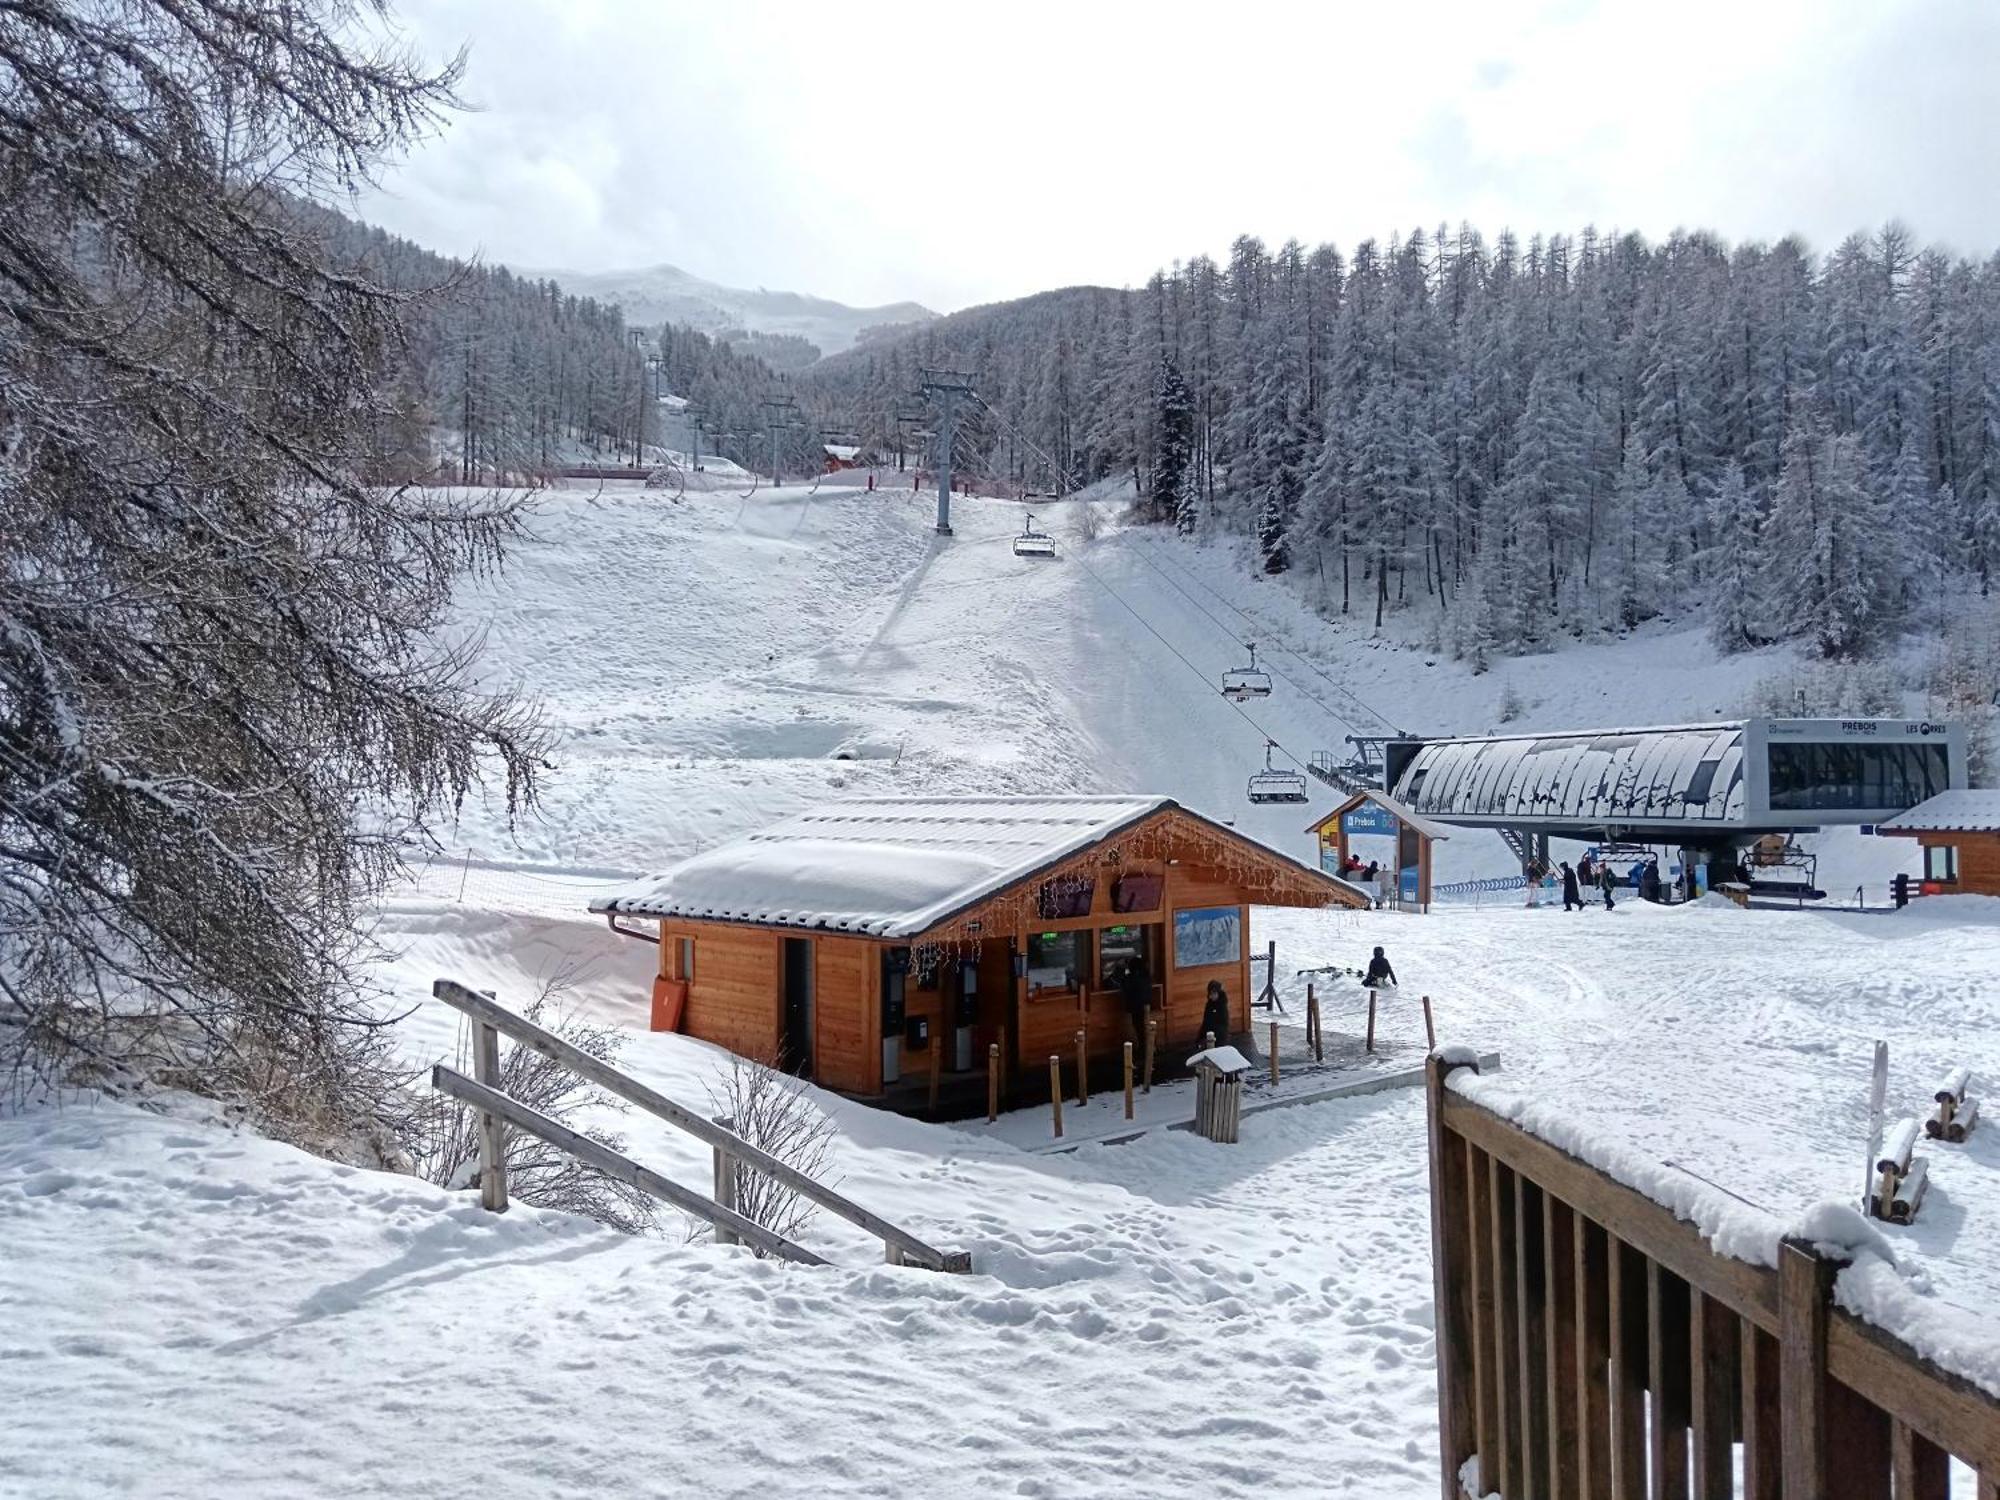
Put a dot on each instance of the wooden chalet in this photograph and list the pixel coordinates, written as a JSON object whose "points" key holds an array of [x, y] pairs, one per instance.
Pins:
{"points": [[864, 943], [1960, 834]]}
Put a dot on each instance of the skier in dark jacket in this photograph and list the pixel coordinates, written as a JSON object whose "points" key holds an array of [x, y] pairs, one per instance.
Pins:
{"points": [[1572, 895], [1649, 881], [1135, 985], [1215, 1014], [1379, 972], [1606, 881]]}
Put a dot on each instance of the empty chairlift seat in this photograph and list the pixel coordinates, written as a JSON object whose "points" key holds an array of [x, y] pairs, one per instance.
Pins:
{"points": [[1273, 785], [1033, 543], [1247, 682]]}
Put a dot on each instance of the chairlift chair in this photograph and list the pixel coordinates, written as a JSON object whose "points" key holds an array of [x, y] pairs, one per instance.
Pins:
{"points": [[1033, 543], [1239, 683], [1273, 785]]}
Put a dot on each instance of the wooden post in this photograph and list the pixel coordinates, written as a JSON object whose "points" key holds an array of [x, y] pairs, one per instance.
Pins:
{"points": [[1713, 1362], [1805, 1291], [1152, 1037], [1055, 1090], [1371, 1020], [1274, 1052], [1452, 1267], [1922, 1470], [992, 1082], [492, 1134], [1082, 1066], [1430, 1031], [725, 1192], [937, 1065], [1128, 1080], [1313, 1037]]}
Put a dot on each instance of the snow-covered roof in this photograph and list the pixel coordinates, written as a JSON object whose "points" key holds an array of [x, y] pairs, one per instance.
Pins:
{"points": [[1961, 811], [842, 451], [1679, 774], [884, 866]]}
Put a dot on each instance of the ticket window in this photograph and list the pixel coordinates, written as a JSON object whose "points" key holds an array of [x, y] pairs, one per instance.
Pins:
{"points": [[1056, 962], [1116, 945]]}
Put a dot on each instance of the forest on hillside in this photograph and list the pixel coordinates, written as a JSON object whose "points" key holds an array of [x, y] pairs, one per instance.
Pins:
{"points": [[1575, 432], [496, 377]]}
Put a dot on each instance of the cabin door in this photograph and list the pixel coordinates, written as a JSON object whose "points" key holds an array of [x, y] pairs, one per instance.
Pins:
{"points": [[798, 1006]]}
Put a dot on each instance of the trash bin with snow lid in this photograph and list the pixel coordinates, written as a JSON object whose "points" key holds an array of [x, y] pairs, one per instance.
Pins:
{"points": [[1218, 1091]]}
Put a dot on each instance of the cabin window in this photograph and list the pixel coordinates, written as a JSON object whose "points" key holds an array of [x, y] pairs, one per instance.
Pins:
{"points": [[687, 959], [1056, 960], [1136, 893], [1114, 946], [1940, 862], [1067, 897]]}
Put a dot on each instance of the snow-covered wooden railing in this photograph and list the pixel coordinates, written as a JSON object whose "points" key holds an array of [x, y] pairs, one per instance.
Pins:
{"points": [[492, 1020], [1592, 1344]]}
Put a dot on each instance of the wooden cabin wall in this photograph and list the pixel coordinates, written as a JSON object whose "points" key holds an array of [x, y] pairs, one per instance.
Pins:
{"points": [[733, 995], [847, 1013], [1978, 860], [1187, 989]]}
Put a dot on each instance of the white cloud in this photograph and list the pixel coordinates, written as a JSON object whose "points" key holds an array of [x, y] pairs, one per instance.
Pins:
{"points": [[955, 154]]}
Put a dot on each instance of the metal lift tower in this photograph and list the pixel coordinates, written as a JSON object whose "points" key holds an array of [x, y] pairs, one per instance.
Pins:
{"points": [[947, 387]]}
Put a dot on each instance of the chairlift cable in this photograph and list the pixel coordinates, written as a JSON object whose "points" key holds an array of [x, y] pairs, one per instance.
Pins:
{"points": [[1269, 739], [1279, 645]]}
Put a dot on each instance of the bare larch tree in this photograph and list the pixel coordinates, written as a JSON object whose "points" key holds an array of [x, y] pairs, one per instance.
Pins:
{"points": [[224, 711]]}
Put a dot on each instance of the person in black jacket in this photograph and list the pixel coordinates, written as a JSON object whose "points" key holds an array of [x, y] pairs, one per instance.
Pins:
{"points": [[1572, 893], [1215, 1014], [1379, 973], [1135, 986]]}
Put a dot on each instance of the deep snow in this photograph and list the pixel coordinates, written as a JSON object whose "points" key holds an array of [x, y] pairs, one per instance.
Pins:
{"points": [[188, 1310]]}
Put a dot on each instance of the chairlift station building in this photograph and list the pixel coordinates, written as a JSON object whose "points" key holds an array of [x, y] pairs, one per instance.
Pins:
{"points": [[1713, 788], [868, 942]]}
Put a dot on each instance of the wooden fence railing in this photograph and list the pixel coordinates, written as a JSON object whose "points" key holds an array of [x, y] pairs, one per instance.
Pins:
{"points": [[732, 1153], [1592, 1345]]}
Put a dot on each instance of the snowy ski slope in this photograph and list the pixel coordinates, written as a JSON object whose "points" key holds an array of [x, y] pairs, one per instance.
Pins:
{"points": [[188, 1310]]}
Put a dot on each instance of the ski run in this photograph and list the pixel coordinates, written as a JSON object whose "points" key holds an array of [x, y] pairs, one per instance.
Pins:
{"points": [[187, 1309]]}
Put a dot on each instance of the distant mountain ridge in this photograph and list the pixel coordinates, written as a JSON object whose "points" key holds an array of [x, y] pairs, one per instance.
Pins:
{"points": [[667, 294]]}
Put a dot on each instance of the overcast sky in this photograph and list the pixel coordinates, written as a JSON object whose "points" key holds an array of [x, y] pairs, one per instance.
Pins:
{"points": [[955, 153]]}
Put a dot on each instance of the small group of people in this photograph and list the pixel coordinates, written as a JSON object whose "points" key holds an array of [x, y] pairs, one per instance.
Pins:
{"points": [[1586, 874], [1644, 878], [1135, 988], [1371, 875]]}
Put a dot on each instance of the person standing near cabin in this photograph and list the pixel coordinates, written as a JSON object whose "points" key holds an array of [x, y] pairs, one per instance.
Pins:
{"points": [[1572, 894], [1586, 872], [1605, 881], [1135, 985], [1215, 1014]]}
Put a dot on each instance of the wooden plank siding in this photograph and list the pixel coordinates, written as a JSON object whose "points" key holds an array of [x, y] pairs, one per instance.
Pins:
{"points": [[847, 1013], [1978, 859], [735, 989], [1592, 1344]]}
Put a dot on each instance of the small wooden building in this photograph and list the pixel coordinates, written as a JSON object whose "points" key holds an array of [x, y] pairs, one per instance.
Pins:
{"points": [[850, 942], [1960, 834], [1372, 812]]}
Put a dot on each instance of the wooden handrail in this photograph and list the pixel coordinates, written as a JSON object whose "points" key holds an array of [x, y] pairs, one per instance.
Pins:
{"points": [[905, 1247], [1882, 1369], [612, 1164]]}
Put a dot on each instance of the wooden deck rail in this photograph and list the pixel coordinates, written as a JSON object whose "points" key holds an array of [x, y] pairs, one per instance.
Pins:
{"points": [[732, 1151], [1592, 1346]]}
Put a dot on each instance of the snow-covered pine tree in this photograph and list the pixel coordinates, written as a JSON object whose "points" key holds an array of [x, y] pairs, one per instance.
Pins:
{"points": [[1735, 571], [226, 708], [1176, 494]]}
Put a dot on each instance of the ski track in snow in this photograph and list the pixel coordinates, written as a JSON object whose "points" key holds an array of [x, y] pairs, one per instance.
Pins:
{"points": [[187, 1310]]}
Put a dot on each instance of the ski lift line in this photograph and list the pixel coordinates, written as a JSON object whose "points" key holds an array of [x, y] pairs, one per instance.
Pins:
{"points": [[1311, 665], [1270, 740], [1280, 645], [1069, 483], [1345, 720]]}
